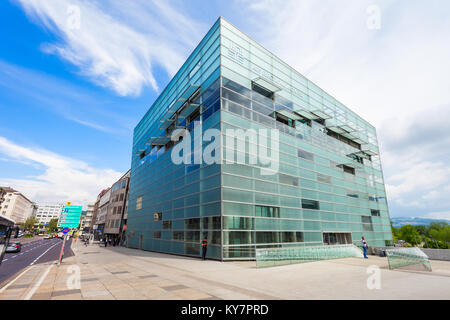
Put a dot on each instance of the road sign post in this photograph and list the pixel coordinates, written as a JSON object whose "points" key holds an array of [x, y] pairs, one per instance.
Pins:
{"points": [[61, 254]]}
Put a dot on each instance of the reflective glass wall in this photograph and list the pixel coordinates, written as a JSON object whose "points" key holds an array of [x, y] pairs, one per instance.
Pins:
{"points": [[328, 187]]}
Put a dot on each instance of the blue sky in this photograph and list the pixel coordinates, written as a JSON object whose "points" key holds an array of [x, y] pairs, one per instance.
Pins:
{"points": [[72, 90]]}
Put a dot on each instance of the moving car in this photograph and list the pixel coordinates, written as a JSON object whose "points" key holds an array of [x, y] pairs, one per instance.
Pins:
{"points": [[14, 247], [49, 236]]}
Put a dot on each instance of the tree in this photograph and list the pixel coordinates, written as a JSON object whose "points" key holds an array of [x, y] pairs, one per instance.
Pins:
{"points": [[395, 233], [410, 234], [53, 225], [29, 223]]}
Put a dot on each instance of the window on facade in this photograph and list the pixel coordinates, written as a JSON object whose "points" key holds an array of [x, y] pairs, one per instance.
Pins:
{"points": [[287, 179], [375, 213], [352, 194], [262, 91], [178, 235], [265, 211], [157, 234], [283, 119], [193, 236], [348, 169], [291, 236], [323, 178], [267, 237], [121, 197], [212, 223], [310, 204], [239, 223], [139, 203], [119, 210], [157, 216], [167, 225], [367, 223], [193, 224], [305, 155]]}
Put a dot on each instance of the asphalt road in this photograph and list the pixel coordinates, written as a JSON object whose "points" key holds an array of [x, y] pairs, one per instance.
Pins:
{"points": [[35, 252]]}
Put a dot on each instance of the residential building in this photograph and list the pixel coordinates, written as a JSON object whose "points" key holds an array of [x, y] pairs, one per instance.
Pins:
{"points": [[47, 212], [87, 222], [301, 168], [103, 206], [16, 206], [115, 218]]}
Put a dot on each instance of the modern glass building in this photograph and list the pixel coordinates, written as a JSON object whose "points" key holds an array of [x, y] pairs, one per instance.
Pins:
{"points": [[327, 186]]}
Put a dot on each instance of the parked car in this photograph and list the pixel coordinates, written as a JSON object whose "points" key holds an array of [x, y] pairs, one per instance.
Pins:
{"points": [[14, 247], [49, 236]]}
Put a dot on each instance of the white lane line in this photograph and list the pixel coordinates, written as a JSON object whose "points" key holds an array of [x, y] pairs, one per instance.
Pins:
{"points": [[38, 284], [10, 283], [14, 256], [42, 254]]}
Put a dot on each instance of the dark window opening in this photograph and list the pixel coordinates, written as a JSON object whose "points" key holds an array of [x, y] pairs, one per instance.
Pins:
{"points": [[320, 121], [193, 116], [156, 234], [310, 204], [305, 121], [375, 213], [283, 119], [167, 225], [262, 91], [142, 154], [348, 169], [343, 139], [157, 216], [337, 238], [356, 158]]}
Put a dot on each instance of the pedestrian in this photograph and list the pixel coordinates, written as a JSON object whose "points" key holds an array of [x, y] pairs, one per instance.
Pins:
{"points": [[204, 248], [365, 246], [106, 242]]}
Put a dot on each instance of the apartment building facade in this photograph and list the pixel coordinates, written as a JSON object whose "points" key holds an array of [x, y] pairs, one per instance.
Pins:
{"points": [[116, 216], [16, 206], [48, 211]]}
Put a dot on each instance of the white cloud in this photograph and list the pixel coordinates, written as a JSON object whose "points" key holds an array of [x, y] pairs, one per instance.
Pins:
{"points": [[438, 215], [63, 179], [397, 78], [118, 43]]}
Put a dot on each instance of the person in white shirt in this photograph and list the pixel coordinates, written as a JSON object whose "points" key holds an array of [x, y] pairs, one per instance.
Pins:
{"points": [[365, 246]]}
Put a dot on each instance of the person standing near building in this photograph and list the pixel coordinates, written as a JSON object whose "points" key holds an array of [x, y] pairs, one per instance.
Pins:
{"points": [[204, 248], [365, 246]]}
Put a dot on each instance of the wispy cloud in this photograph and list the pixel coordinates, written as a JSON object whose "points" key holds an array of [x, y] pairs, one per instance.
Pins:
{"points": [[43, 91], [62, 178], [117, 44], [396, 77]]}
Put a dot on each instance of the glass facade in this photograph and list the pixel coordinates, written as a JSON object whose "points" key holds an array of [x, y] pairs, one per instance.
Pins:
{"points": [[328, 187]]}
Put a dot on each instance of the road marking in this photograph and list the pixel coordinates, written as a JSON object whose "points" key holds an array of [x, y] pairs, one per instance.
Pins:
{"points": [[14, 256], [10, 283], [38, 284], [43, 254]]}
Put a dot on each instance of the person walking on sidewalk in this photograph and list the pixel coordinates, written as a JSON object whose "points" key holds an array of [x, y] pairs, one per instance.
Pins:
{"points": [[204, 248], [365, 246], [106, 242]]}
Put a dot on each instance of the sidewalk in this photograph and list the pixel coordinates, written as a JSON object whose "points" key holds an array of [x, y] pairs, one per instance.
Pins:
{"points": [[97, 273]]}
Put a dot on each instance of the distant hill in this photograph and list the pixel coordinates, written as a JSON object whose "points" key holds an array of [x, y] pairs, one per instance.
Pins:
{"points": [[398, 222]]}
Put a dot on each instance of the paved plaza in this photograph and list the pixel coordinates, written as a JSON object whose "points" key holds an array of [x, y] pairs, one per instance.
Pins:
{"points": [[121, 273]]}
